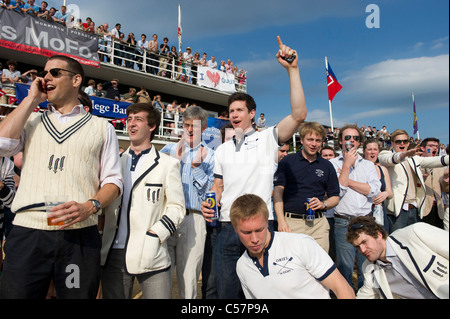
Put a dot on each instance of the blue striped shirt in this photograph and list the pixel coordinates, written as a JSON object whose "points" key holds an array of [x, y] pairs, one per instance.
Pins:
{"points": [[196, 181]]}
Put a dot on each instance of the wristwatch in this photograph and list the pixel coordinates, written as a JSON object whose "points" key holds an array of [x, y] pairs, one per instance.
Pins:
{"points": [[325, 205], [97, 205]]}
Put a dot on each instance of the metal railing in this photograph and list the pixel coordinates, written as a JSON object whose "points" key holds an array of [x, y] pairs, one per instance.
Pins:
{"points": [[170, 128], [122, 54]]}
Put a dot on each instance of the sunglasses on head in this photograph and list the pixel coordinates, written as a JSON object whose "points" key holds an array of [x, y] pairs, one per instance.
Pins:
{"points": [[357, 226], [401, 141], [54, 72], [348, 137]]}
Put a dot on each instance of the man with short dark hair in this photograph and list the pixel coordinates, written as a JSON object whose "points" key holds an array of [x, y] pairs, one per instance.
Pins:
{"points": [[245, 164], [412, 263], [81, 153], [359, 183], [138, 225], [433, 212]]}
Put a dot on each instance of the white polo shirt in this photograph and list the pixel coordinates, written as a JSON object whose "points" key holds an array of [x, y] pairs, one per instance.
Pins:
{"points": [[247, 168], [294, 266]]}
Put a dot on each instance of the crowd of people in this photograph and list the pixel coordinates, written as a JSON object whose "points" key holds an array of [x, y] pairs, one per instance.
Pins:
{"points": [[290, 226], [131, 51]]}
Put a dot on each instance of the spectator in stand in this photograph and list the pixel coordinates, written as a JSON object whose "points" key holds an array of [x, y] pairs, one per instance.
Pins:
{"points": [[10, 77], [442, 150], [242, 78], [212, 63], [152, 64], [61, 16], [51, 14], [261, 121], [130, 97], [143, 96], [30, 8], [195, 63], [130, 48], [187, 64], [229, 67], [115, 36], [112, 89], [99, 91], [164, 57], [172, 62], [222, 66], [142, 45], [6, 4], [204, 60], [87, 24], [157, 104], [90, 89], [29, 76]]}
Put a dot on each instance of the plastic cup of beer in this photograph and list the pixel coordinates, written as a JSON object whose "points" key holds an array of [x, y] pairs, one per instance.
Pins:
{"points": [[52, 201]]}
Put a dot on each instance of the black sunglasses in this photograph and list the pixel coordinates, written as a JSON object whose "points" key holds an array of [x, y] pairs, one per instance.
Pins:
{"points": [[357, 226], [401, 141], [54, 72], [348, 137]]}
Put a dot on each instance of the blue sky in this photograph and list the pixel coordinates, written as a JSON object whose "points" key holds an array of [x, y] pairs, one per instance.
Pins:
{"points": [[379, 68]]}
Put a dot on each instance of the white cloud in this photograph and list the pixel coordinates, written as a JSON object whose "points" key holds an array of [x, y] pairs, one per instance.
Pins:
{"points": [[399, 77]]}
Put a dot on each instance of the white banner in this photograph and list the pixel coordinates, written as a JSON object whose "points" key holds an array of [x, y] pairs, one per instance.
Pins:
{"points": [[215, 79]]}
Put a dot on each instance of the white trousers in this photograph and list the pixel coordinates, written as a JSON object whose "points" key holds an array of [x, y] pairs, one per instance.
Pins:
{"points": [[186, 247]]}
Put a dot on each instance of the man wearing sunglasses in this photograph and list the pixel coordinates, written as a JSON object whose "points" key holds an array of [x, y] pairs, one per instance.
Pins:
{"points": [[359, 183], [412, 263], [66, 151], [407, 205]]}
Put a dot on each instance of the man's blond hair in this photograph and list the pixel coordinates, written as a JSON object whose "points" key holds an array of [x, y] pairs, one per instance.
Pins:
{"points": [[246, 207]]}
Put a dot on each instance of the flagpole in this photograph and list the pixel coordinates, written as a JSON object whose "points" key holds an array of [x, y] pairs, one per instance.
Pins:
{"points": [[329, 101], [415, 117], [179, 27]]}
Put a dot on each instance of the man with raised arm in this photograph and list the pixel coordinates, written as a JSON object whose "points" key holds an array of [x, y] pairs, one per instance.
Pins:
{"points": [[245, 165]]}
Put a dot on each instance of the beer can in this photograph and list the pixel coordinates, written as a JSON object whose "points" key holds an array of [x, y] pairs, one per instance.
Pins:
{"points": [[211, 200], [348, 146], [310, 214]]}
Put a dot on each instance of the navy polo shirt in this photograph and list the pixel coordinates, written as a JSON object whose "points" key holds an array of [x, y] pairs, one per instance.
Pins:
{"points": [[302, 179]]}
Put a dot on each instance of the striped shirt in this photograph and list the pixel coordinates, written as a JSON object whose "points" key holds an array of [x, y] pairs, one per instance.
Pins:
{"points": [[196, 181]]}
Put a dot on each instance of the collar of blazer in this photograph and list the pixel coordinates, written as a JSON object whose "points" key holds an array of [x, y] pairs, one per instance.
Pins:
{"points": [[151, 161]]}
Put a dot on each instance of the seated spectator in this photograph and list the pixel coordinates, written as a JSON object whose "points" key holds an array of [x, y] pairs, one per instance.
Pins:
{"points": [[86, 24], [222, 66], [61, 16], [130, 97], [261, 121]]}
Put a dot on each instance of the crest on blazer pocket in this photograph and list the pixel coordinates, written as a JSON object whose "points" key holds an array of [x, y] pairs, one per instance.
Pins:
{"points": [[153, 192]]}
